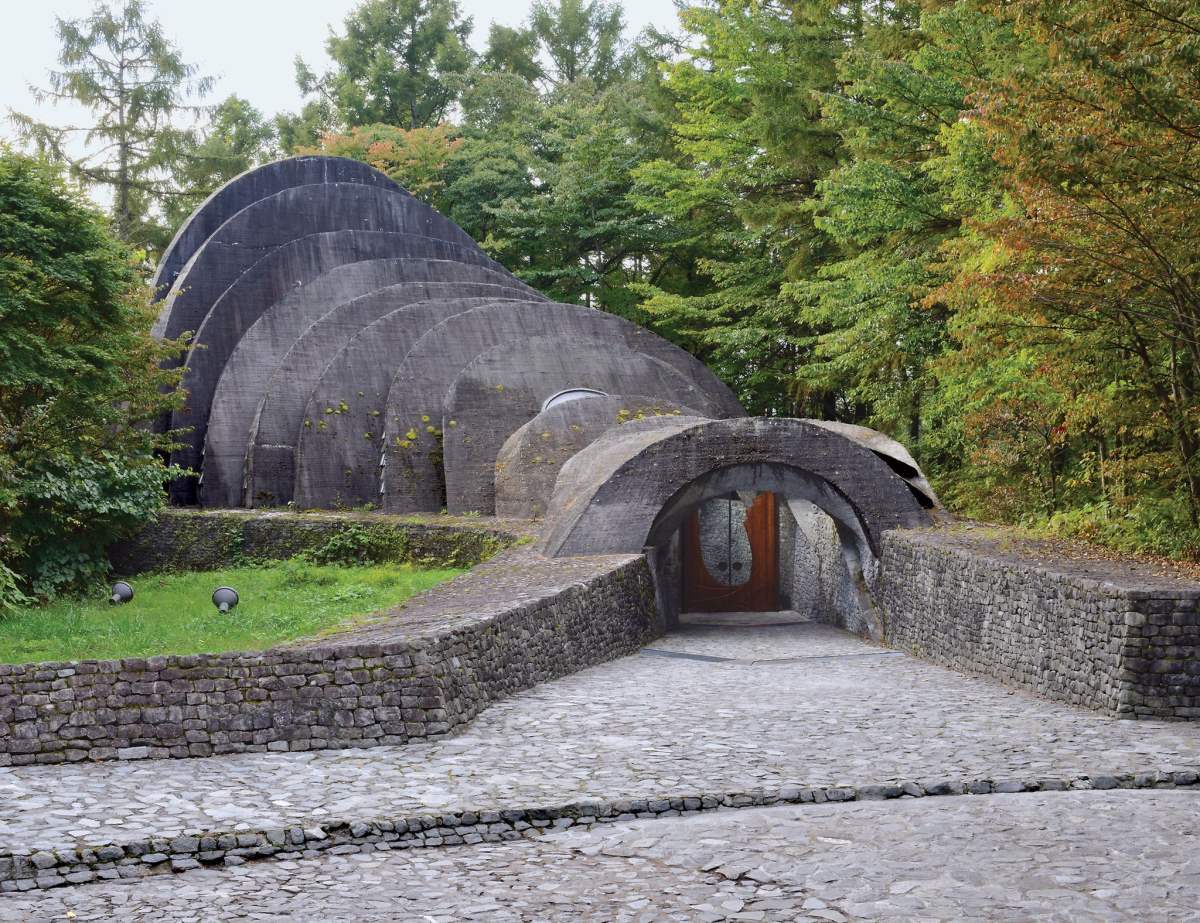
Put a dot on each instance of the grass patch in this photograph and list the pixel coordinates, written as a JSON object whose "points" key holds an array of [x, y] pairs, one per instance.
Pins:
{"points": [[173, 613]]}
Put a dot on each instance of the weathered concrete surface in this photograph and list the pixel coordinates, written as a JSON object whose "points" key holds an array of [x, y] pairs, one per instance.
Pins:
{"points": [[528, 463], [242, 382], [275, 431], [634, 486], [256, 358], [340, 443], [233, 314], [821, 574], [412, 479], [186, 540], [252, 186], [290, 267], [284, 217], [504, 388], [894, 453]]}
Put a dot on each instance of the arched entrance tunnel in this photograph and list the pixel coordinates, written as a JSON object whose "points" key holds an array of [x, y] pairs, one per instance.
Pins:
{"points": [[741, 514]]}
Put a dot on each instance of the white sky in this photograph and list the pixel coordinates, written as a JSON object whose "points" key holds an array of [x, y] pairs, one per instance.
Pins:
{"points": [[249, 45]]}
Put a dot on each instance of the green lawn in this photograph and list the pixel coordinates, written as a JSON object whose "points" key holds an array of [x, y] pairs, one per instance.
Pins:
{"points": [[173, 613]]}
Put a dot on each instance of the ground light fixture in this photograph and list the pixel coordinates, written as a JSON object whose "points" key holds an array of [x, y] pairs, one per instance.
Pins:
{"points": [[122, 592], [225, 598]]}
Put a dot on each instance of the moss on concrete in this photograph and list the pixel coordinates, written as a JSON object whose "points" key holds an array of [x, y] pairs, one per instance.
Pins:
{"points": [[197, 540]]}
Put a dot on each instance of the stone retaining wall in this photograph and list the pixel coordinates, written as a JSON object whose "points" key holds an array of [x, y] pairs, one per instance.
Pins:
{"points": [[1104, 635], [426, 668], [186, 539]]}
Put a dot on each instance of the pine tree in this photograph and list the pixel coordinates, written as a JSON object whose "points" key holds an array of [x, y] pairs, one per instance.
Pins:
{"points": [[122, 68]]}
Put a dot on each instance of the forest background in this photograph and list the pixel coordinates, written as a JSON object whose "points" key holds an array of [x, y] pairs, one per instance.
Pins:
{"points": [[973, 225]]}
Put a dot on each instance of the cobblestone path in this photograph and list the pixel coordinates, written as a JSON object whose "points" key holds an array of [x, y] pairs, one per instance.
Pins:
{"points": [[799, 703], [709, 709], [1061, 856]]}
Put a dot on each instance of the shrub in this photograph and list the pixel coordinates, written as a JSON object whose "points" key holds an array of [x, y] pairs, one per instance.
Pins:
{"points": [[358, 544], [79, 373]]}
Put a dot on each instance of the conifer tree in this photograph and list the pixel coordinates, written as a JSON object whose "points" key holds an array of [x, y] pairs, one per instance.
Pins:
{"points": [[135, 83]]}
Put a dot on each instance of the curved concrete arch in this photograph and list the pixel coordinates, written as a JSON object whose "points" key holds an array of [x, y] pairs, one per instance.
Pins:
{"points": [[241, 305], [338, 452], [270, 469], [242, 381], [505, 387], [411, 478], [250, 187], [284, 217], [633, 487], [528, 464], [892, 452], [288, 267]]}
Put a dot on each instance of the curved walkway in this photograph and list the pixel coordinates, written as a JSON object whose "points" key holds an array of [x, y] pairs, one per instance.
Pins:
{"points": [[791, 704]]}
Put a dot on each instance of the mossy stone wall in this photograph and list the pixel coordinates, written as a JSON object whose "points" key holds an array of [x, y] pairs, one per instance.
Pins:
{"points": [[195, 540]]}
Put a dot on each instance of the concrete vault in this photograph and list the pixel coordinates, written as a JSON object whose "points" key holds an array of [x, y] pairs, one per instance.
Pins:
{"points": [[349, 346]]}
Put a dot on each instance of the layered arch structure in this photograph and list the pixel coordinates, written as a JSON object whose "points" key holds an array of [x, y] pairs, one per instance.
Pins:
{"points": [[503, 389], [414, 442], [347, 344], [280, 415], [249, 188], [633, 487]]}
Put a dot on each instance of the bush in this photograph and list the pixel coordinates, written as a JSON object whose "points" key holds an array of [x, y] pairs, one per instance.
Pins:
{"points": [[79, 373], [356, 545], [11, 597], [1151, 525]]}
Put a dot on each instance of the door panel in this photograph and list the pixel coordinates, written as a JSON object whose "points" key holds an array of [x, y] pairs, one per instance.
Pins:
{"points": [[731, 557]]}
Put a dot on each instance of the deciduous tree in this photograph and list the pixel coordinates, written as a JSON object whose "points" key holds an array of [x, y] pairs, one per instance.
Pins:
{"points": [[415, 158], [78, 372], [399, 62]]}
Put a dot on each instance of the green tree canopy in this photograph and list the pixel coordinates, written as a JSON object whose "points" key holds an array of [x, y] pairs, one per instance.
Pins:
{"points": [[78, 372], [750, 146], [415, 158], [400, 62], [236, 138], [512, 51], [1097, 283], [580, 38]]}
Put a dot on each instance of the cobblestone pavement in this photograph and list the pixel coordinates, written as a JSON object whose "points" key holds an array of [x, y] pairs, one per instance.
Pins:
{"points": [[1060, 856], [652, 724]]}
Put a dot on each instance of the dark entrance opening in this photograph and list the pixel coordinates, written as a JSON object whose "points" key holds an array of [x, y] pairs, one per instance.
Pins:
{"points": [[731, 555]]}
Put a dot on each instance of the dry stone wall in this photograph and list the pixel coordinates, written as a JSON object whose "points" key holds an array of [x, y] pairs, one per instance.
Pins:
{"points": [[188, 540], [427, 668], [1114, 638]]}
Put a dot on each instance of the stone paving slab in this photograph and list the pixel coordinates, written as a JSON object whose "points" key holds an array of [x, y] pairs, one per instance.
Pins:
{"points": [[751, 636], [1056, 856], [642, 726]]}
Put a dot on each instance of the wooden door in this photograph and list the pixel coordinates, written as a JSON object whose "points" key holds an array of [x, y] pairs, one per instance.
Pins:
{"points": [[723, 540]]}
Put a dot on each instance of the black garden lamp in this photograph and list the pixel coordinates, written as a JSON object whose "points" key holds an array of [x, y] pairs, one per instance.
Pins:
{"points": [[122, 592], [225, 598]]}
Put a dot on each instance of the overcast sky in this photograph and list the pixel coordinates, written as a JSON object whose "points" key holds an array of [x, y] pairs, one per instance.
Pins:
{"points": [[249, 45]]}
